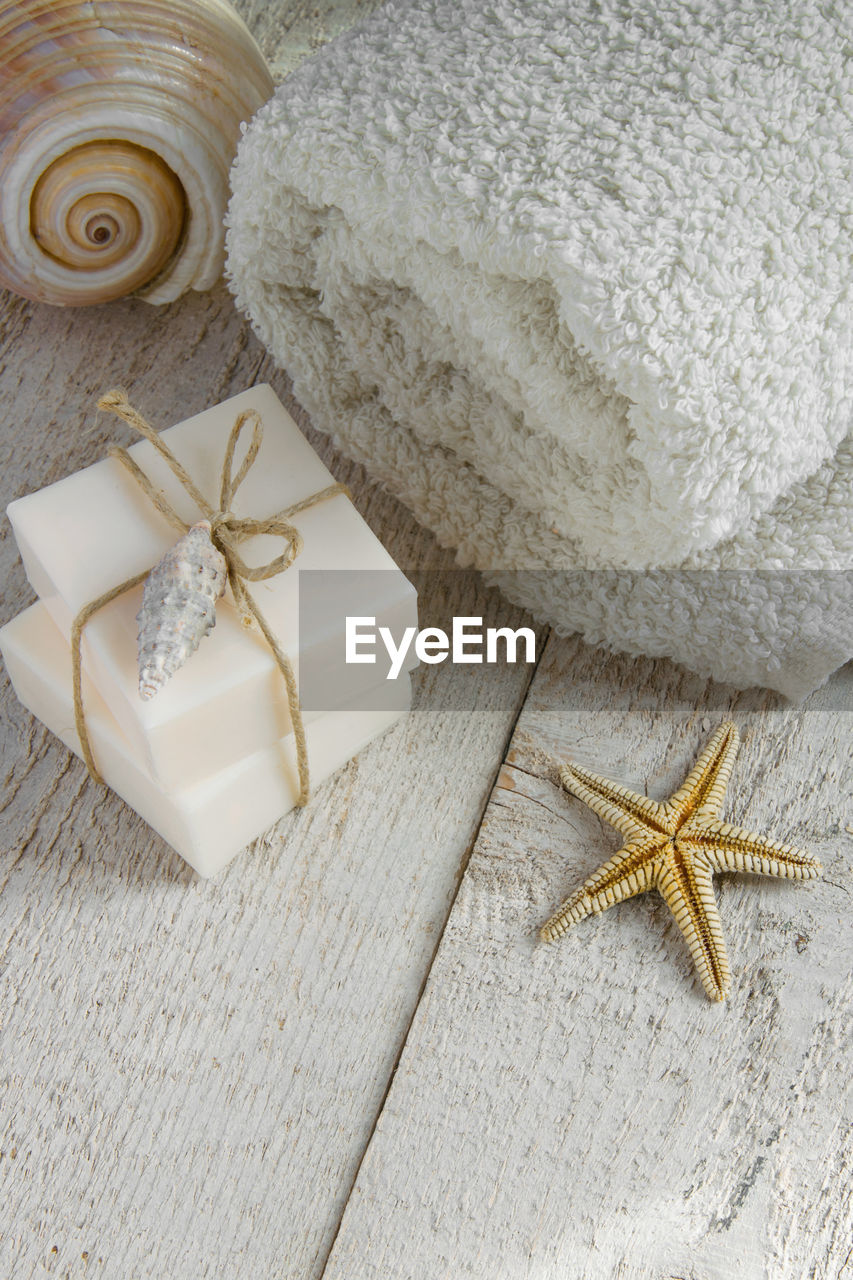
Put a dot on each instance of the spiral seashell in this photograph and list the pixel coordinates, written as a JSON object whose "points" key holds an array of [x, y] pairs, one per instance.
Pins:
{"points": [[118, 124], [178, 607]]}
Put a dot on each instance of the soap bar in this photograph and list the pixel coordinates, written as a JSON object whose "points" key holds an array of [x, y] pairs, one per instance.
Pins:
{"points": [[211, 821], [85, 534]]}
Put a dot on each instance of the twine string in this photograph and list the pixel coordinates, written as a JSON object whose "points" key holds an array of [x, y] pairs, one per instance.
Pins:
{"points": [[227, 532]]}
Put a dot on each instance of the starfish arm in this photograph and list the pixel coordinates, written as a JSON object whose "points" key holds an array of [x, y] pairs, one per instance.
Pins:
{"points": [[631, 871], [632, 814], [703, 790], [687, 889], [729, 848]]}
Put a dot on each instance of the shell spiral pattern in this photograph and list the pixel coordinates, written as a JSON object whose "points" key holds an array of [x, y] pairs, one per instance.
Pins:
{"points": [[118, 125], [178, 606]]}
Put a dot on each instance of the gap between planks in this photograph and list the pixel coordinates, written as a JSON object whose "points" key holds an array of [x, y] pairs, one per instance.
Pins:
{"points": [[460, 876]]}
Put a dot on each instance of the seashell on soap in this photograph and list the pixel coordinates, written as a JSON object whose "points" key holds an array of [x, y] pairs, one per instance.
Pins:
{"points": [[178, 607], [118, 125]]}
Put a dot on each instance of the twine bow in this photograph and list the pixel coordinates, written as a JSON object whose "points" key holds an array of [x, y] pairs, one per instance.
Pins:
{"points": [[227, 532]]}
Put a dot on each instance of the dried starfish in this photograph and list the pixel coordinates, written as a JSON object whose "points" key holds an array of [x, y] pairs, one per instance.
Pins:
{"points": [[675, 847]]}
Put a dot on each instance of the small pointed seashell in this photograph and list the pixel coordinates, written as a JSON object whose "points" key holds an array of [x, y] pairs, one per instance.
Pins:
{"points": [[178, 606]]}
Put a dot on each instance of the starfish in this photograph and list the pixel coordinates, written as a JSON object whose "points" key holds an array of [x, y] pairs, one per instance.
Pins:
{"points": [[675, 847]]}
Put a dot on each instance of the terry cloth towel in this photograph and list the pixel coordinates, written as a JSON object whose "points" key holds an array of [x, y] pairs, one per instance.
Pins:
{"points": [[573, 279]]}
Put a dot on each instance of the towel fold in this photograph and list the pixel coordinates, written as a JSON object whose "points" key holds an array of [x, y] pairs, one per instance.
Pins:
{"points": [[573, 280]]}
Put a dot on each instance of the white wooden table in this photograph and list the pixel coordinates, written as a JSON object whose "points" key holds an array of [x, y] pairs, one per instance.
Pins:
{"points": [[347, 1056]]}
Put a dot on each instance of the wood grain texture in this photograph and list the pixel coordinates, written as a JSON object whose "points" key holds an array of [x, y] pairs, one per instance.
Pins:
{"points": [[581, 1111], [291, 30], [190, 1071]]}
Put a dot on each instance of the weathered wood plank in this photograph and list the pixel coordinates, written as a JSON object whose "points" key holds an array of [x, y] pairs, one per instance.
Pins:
{"points": [[189, 1071], [290, 32], [581, 1111]]}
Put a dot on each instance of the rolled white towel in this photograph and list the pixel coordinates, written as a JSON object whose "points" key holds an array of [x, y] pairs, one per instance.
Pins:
{"points": [[573, 280]]}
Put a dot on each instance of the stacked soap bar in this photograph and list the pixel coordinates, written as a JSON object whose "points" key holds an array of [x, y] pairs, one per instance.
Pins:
{"points": [[210, 761]]}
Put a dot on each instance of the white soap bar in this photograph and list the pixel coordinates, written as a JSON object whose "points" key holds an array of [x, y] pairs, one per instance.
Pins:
{"points": [[213, 820], [83, 535]]}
